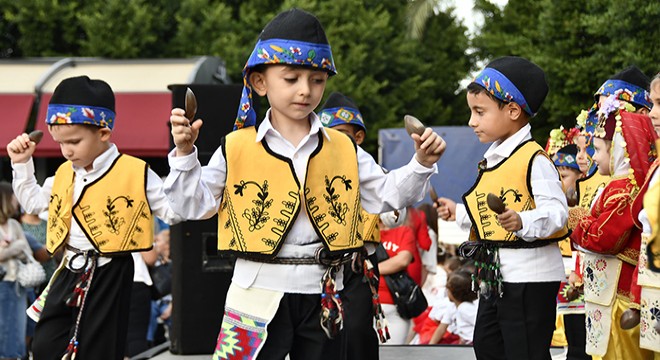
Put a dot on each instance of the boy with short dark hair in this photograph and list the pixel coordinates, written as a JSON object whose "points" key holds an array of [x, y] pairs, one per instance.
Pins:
{"points": [[112, 198], [288, 195], [516, 253]]}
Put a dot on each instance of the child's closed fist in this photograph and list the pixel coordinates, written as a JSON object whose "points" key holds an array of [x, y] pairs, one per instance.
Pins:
{"points": [[428, 147], [510, 220], [446, 209], [21, 149], [184, 134]]}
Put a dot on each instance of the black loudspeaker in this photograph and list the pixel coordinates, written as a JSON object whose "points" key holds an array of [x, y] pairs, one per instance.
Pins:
{"points": [[200, 276]]}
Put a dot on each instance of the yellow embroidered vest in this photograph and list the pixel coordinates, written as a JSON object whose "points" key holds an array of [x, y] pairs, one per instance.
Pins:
{"points": [[370, 230], [510, 180], [113, 211], [588, 187], [262, 195]]}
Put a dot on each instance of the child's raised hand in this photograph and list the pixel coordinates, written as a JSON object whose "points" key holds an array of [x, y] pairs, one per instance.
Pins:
{"points": [[184, 134], [446, 209], [428, 147], [510, 220], [21, 149]]}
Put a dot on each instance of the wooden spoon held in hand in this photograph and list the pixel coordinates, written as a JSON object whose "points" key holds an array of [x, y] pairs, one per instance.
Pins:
{"points": [[495, 203], [190, 105], [36, 136]]}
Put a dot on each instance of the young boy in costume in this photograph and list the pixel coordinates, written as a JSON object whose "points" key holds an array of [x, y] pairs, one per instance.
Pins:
{"points": [[622, 141], [289, 195], [516, 252], [648, 207], [357, 340], [112, 198]]}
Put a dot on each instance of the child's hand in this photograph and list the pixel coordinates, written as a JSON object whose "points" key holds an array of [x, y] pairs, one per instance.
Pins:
{"points": [[510, 220], [21, 149], [574, 279], [428, 147], [446, 209], [183, 133]]}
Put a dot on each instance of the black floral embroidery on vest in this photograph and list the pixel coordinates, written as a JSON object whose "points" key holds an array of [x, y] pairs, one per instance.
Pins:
{"points": [[52, 220], [256, 216], [112, 221], [517, 196], [338, 209]]}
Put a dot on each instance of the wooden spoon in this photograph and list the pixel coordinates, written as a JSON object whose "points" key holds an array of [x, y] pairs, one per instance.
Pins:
{"points": [[413, 125], [629, 319], [495, 203], [36, 136], [191, 105], [433, 194], [571, 197]]}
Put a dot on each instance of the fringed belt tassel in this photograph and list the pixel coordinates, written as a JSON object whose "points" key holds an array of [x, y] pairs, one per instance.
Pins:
{"points": [[79, 295], [488, 278]]}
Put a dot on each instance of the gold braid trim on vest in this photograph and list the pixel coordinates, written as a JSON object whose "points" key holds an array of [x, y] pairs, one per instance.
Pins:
{"points": [[511, 181], [261, 201], [113, 211]]}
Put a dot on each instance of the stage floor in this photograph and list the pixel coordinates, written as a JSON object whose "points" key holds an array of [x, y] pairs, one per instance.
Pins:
{"points": [[395, 353]]}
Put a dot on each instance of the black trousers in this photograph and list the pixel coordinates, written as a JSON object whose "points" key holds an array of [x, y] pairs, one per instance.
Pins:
{"points": [[103, 326], [358, 339], [138, 319], [576, 336], [519, 325], [296, 330]]}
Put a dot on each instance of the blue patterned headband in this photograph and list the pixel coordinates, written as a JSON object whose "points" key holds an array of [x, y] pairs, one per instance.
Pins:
{"points": [[626, 91], [80, 114], [502, 88], [331, 117], [280, 51], [564, 159]]}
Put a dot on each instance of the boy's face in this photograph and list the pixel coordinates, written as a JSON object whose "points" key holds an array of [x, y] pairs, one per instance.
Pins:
{"points": [[569, 176], [583, 159], [80, 144], [489, 122], [353, 131], [293, 92], [655, 110], [602, 156]]}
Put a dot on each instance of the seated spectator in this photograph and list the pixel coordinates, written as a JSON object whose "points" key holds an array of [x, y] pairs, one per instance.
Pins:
{"points": [[457, 324]]}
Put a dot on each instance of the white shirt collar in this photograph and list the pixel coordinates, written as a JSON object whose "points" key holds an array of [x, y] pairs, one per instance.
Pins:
{"points": [[266, 126], [500, 150], [102, 161]]}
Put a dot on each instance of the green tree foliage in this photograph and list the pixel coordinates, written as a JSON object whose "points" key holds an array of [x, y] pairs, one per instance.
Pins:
{"points": [[386, 72], [579, 44]]}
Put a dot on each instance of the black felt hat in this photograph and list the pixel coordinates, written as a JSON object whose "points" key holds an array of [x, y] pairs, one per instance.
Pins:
{"points": [[633, 75], [527, 77], [83, 91], [337, 99], [295, 24], [340, 109]]}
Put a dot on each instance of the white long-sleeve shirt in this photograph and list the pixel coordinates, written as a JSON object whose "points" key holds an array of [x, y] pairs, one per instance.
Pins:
{"points": [[540, 264], [196, 193], [35, 199]]}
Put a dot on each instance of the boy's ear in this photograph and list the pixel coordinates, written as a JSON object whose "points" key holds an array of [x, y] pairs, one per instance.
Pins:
{"points": [[359, 136], [105, 134], [515, 111], [258, 82]]}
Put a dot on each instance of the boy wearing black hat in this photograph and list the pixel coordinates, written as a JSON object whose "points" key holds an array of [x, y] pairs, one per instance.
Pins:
{"points": [[518, 260], [288, 195], [629, 85], [112, 198], [358, 340]]}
